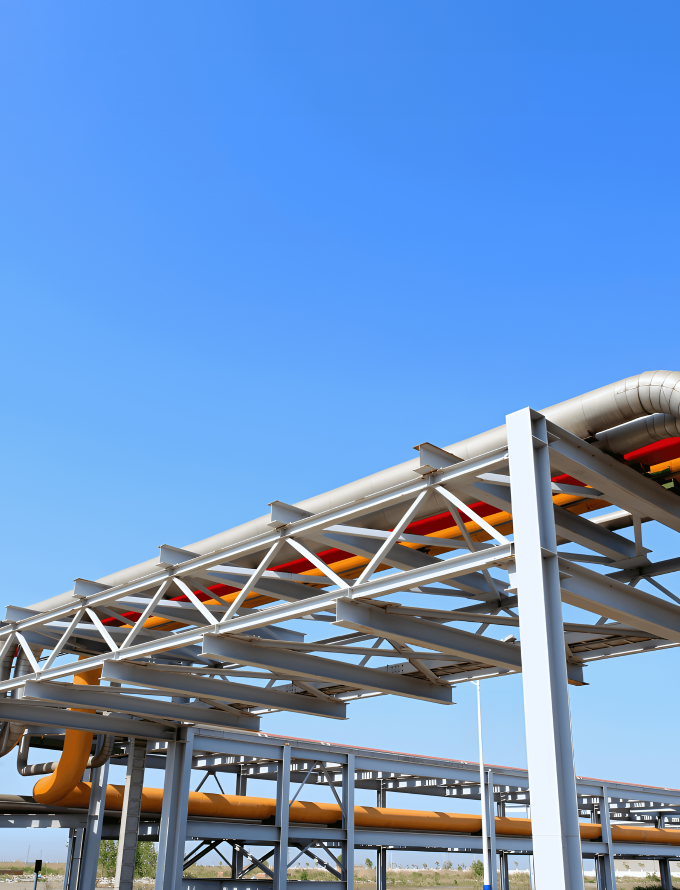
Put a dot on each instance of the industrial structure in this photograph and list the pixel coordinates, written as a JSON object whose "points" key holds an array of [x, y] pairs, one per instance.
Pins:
{"points": [[172, 664]]}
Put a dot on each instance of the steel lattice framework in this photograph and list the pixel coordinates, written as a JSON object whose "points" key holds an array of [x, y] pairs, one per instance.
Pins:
{"points": [[514, 572]]}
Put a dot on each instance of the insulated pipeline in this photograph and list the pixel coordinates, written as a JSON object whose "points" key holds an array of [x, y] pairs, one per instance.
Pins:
{"points": [[231, 806], [74, 757], [652, 392]]}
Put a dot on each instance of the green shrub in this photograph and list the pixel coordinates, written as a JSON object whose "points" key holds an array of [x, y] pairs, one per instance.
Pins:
{"points": [[145, 860]]}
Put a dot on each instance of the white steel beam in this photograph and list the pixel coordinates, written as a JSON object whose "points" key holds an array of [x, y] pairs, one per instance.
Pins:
{"points": [[438, 570], [568, 525], [173, 824], [606, 596], [91, 697], [448, 640], [663, 567], [283, 660], [129, 817], [620, 484], [221, 690], [461, 474], [406, 559], [556, 839], [19, 712]]}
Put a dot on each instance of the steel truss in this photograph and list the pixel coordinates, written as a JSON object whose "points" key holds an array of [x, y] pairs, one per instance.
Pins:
{"points": [[344, 769], [215, 643]]}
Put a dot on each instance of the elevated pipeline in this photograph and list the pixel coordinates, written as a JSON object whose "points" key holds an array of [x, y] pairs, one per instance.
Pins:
{"points": [[75, 756], [648, 393], [623, 405], [231, 806]]}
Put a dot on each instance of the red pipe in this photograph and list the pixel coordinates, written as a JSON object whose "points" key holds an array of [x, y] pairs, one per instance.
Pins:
{"points": [[655, 453]]}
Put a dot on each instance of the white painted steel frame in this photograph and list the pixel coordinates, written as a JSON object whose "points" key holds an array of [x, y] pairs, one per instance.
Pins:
{"points": [[556, 838], [542, 581]]}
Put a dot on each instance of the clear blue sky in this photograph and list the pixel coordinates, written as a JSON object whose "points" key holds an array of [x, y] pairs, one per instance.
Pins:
{"points": [[256, 250]]}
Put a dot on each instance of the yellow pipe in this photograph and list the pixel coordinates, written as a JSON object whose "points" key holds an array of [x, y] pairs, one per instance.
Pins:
{"points": [[74, 757], [230, 806]]}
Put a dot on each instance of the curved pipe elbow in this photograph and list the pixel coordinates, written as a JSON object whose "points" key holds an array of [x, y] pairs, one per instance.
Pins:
{"points": [[103, 754], [11, 733], [74, 758]]}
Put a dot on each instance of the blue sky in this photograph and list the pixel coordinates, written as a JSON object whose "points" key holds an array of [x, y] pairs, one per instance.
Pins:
{"points": [[253, 251]]}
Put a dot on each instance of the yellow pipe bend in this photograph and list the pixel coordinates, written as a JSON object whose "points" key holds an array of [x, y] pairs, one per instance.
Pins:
{"points": [[74, 757]]}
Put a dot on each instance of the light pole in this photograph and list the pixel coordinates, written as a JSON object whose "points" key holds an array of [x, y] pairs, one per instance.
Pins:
{"points": [[482, 791]]}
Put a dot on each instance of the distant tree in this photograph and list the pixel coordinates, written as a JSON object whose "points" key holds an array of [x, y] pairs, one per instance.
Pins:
{"points": [[145, 860], [447, 864], [368, 863], [477, 868], [107, 857]]}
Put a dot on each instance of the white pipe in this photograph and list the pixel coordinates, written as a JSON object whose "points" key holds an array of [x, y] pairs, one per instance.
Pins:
{"points": [[651, 392], [637, 433], [482, 791]]}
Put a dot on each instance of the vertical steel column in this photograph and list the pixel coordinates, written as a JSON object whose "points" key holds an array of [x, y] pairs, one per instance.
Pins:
{"points": [[93, 829], [348, 820], [665, 874], [240, 790], [550, 755], [72, 870], [491, 830], [608, 864], [505, 875], [173, 828], [381, 868], [69, 856], [242, 780], [381, 852], [282, 819], [129, 818]]}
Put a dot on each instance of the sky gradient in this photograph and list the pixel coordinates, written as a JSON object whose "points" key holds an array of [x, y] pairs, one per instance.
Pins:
{"points": [[252, 251]]}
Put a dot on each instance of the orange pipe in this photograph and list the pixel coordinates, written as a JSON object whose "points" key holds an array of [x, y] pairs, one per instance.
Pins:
{"points": [[231, 806], [76, 753]]}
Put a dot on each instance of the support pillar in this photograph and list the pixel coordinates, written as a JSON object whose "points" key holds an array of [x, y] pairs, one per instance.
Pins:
{"points": [[665, 874], [242, 781], [381, 852], [93, 829], [547, 717], [129, 818], [240, 790], [608, 863], [282, 819], [381, 868], [173, 828], [348, 820], [491, 828], [505, 876], [72, 871]]}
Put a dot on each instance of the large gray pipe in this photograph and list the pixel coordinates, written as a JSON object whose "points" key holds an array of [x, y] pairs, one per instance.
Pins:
{"points": [[652, 392], [637, 433]]}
